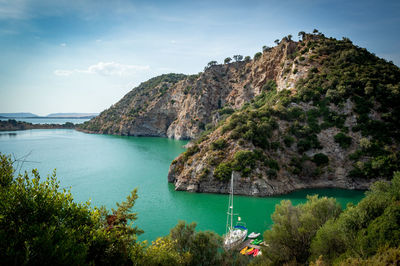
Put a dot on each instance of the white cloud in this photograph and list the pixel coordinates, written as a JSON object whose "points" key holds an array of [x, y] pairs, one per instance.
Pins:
{"points": [[63, 44], [105, 69], [65, 73]]}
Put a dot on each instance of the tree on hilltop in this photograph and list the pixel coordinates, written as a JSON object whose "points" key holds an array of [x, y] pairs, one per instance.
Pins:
{"points": [[227, 60], [238, 57], [302, 34]]}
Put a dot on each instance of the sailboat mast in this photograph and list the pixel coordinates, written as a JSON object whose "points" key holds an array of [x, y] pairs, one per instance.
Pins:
{"points": [[232, 200], [229, 217]]}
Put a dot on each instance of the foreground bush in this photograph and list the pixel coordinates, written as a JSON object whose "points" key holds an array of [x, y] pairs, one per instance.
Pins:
{"points": [[40, 224], [294, 227], [362, 230]]}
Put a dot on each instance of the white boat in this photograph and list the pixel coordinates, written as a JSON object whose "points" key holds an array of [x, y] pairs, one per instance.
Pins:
{"points": [[234, 234], [253, 235]]}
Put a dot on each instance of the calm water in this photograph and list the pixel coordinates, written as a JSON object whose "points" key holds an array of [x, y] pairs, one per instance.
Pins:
{"points": [[106, 168], [49, 120]]}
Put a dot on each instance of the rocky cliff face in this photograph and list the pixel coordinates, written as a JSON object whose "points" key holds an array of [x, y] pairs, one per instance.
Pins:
{"points": [[328, 118], [179, 106]]}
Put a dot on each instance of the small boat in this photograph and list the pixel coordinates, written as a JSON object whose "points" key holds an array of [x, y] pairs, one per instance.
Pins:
{"points": [[256, 242], [250, 251], [243, 251], [253, 235], [234, 234], [255, 253]]}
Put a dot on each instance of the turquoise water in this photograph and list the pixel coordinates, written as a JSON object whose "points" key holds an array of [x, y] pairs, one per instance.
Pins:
{"points": [[106, 168], [50, 120]]}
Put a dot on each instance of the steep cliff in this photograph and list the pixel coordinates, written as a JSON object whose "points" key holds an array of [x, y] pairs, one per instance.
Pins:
{"points": [[325, 114], [180, 106]]}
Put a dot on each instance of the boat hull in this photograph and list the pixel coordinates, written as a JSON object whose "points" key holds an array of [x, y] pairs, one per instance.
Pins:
{"points": [[234, 238]]}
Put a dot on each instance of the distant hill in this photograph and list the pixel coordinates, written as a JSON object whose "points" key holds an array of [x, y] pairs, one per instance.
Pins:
{"points": [[13, 125], [17, 115], [71, 115]]}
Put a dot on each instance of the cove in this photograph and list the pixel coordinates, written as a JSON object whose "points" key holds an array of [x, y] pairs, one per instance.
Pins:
{"points": [[105, 168]]}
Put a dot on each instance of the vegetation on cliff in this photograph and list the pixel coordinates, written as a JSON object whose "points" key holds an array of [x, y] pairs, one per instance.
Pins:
{"points": [[342, 114]]}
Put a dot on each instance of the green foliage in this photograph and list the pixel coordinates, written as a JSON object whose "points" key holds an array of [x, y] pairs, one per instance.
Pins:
{"points": [[187, 90], [69, 125], [190, 152], [204, 173], [309, 142], [343, 140], [41, 224], [227, 60], [226, 110], [288, 140], [384, 256], [219, 144], [350, 72], [270, 85], [238, 58], [6, 171], [360, 231], [211, 63], [202, 247], [320, 159], [163, 251], [379, 166], [257, 55], [223, 171], [244, 161], [294, 227]]}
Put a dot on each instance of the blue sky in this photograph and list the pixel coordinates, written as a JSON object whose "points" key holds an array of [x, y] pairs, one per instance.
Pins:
{"points": [[83, 56]]}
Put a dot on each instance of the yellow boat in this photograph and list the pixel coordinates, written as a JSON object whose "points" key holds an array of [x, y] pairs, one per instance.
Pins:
{"points": [[249, 250], [243, 251]]}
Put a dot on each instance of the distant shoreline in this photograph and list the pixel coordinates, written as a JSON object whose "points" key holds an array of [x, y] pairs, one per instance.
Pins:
{"points": [[14, 125], [47, 117]]}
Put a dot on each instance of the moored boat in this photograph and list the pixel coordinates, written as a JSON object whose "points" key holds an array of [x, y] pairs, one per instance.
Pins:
{"points": [[253, 235], [234, 234]]}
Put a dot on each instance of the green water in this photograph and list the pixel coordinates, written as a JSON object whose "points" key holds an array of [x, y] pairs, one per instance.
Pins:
{"points": [[106, 168]]}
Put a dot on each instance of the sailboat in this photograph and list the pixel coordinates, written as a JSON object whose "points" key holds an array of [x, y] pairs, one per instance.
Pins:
{"points": [[234, 234]]}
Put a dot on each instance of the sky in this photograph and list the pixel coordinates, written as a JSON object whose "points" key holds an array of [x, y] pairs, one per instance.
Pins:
{"points": [[83, 56]]}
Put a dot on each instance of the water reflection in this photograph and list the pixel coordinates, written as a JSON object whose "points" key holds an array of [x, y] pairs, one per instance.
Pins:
{"points": [[8, 134]]}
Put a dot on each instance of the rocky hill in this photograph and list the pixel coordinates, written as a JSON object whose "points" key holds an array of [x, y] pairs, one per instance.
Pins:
{"points": [[327, 116], [319, 112]]}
